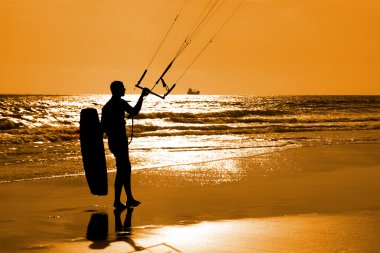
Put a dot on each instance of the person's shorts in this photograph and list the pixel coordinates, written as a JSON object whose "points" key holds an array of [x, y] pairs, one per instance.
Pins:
{"points": [[118, 145]]}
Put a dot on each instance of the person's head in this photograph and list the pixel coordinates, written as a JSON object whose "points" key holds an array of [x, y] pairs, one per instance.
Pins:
{"points": [[117, 88]]}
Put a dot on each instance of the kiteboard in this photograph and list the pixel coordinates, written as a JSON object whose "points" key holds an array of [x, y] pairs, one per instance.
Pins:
{"points": [[93, 155]]}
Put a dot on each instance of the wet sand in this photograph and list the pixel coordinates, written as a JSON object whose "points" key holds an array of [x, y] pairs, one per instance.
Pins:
{"points": [[312, 199]]}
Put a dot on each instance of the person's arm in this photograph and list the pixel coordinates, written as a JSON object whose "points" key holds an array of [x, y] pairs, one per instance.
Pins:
{"points": [[133, 111]]}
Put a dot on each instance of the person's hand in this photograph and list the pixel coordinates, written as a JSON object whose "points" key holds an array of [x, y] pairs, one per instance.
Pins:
{"points": [[145, 92]]}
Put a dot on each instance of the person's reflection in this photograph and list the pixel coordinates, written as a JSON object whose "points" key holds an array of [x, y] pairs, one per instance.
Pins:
{"points": [[124, 231], [97, 230]]}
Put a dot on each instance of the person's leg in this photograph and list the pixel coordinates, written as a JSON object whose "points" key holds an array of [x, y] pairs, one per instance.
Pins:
{"points": [[127, 171], [127, 179], [118, 182]]}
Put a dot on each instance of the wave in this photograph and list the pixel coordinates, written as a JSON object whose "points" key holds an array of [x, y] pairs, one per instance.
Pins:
{"points": [[8, 124], [193, 118], [224, 120], [20, 135], [219, 114], [40, 134], [226, 129]]}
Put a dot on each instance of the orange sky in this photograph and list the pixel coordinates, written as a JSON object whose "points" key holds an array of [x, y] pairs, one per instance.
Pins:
{"points": [[269, 47]]}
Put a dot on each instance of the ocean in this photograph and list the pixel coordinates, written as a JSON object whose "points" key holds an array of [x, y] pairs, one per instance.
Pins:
{"points": [[39, 134]]}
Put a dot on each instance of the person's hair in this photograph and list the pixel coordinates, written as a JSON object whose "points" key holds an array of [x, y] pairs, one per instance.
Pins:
{"points": [[115, 86]]}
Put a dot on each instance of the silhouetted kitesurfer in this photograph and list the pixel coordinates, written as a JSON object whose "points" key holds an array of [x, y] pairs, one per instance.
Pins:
{"points": [[113, 123]]}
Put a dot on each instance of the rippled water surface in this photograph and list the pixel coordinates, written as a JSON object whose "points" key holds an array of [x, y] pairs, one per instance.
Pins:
{"points": [[39, 135]]}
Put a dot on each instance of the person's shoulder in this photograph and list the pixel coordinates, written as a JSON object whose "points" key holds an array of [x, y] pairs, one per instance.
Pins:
{"points": [[107, 105]]}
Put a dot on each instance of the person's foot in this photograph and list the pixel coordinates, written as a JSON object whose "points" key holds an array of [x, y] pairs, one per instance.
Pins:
{"points": [[133, 203], [119, 206]]}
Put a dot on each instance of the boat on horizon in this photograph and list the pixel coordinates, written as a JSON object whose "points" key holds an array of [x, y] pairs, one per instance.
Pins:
{"points": [[190, 91]]}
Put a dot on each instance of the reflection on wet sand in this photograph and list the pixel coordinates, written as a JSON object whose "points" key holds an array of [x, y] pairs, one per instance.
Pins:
{"points": [[97, 232]]}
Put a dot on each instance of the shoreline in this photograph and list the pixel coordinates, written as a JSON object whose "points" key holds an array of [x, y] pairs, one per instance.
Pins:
{"points": [[320, 186]]}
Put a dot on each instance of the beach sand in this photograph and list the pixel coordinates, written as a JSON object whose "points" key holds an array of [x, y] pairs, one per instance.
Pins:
{"points": [[310, 199]]}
